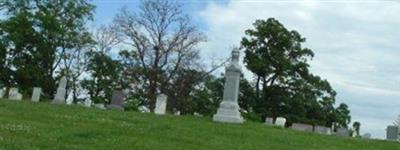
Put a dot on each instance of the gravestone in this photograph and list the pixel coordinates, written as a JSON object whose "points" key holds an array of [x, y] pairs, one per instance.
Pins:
{"points": [[302, 127], [59, 98], [343, 132], [161, 104], [36, 94], [2, 93], [392, 133], [366, 136], [269, 121], [228, 110], [280, 121], [144, 109], [117, 100], [14, 94], [322, 130], [99, 106], [87, 102]]}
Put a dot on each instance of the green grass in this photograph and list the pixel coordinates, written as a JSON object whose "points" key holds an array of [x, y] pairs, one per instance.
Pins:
{"points": [[26, 125]]}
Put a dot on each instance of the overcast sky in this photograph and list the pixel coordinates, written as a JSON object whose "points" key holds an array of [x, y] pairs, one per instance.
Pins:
{"points": [[356, 44]]}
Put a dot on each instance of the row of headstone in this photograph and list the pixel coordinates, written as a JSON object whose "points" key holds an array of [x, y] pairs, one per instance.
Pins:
{"points": [[14, 94], [281, 121]]}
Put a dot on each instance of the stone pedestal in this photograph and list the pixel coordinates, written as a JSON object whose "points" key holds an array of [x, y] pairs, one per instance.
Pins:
{"points": [[228, 110]]}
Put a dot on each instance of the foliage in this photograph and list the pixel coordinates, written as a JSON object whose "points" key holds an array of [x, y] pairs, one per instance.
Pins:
{"points": [[38, 36], [284, 85]]}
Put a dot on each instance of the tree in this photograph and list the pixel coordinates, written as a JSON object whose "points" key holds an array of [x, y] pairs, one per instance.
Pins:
{"points": [[161, 44], [38, 36], [284, 85], [105, 72], [356, 127]]}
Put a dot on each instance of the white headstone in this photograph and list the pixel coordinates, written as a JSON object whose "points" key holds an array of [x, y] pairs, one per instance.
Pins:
{"points": [[36, 94], [280, 121], [228, 110], [177, 113], [59, 98], [302, 127], [88, 103], [161, 104], [14, 94], [269, 121], [322, 130], [144, 109]]}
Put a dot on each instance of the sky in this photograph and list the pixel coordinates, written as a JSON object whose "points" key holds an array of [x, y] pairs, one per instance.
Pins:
{"points": [[356, 44]]}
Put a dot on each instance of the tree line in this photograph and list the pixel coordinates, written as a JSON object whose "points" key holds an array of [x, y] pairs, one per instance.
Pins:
{"points": [[155, 49]]}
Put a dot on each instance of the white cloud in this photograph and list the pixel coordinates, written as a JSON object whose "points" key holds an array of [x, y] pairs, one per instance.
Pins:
{"points": [[355, 44]]}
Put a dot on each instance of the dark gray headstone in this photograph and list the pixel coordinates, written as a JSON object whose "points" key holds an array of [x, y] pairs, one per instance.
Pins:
{"points": [[117, 100], [392, 133]]}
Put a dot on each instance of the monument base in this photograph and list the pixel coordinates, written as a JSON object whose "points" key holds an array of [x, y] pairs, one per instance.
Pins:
{"points": [[228, 112], [60, 96], [115, 107]]}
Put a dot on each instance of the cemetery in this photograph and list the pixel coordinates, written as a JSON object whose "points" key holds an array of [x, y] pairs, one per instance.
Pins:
{"points": [[141, 80]]}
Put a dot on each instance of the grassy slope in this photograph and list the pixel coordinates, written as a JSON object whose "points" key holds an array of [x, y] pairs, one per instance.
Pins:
{"points": [[26, 125]]}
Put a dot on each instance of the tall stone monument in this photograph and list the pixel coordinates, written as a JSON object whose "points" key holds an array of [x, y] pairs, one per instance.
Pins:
{"points": [[228, 110], [37, 91], [59, 98], [392, 133]]}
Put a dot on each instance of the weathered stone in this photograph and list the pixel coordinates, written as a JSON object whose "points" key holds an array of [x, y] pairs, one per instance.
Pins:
{"points": [[392, 133], [161, 104], [228, 110], [269, 121], [322, 130], [88, 102], [280, 121], [59, 98], [99, 106], [343, 132], [117, 100], [36, 94], [14, 94], [302, 127], [366, 136]]}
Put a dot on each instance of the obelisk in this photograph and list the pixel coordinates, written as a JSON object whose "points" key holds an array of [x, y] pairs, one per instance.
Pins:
{"points": [[228, 110]]}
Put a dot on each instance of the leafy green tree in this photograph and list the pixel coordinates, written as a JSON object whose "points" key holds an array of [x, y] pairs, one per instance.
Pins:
{"points": [[284, 85], [356, 127], [104, 77], [38, 38]]}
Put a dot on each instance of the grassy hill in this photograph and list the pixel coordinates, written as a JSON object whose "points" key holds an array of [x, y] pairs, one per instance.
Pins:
{"points": [[26, 125]]}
